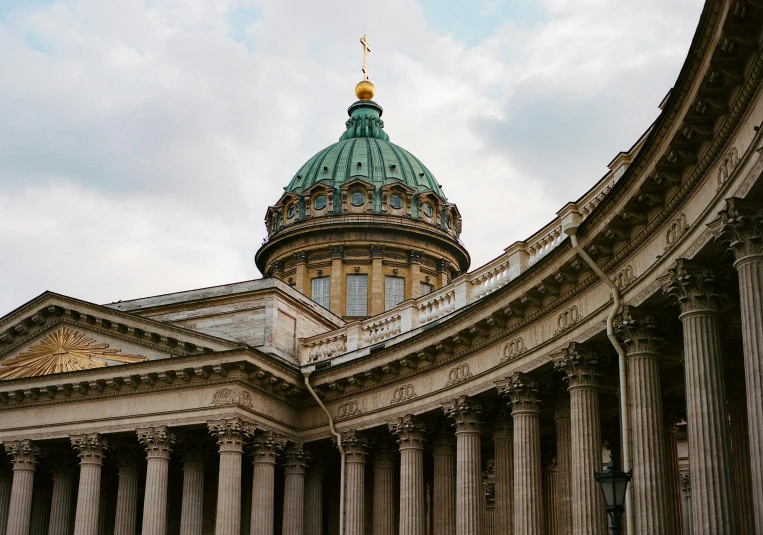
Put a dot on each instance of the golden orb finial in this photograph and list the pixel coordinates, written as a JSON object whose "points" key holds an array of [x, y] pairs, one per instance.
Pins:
{"points": [[365, 90]]}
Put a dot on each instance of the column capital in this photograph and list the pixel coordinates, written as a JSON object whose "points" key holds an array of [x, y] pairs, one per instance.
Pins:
{"points": [[377, 251], [296, 459], [562, 409], [192, 456], [739, 227], [504, 427], [639, 331], [415, 257], [466, 413], [410, 432], [230, 433], [266, 446], [580, 365], [127, 459], [90, 448], [300, 257], [336, 251], [24, 454], [444, 443], [523, 392], [61, 462], [385, 455], [355, 446], [693, 286], [157, 441]]}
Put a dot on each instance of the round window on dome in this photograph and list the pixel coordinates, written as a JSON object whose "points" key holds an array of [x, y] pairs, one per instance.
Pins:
{"points": [[291, 211], [357, 198], [320, 202], [396, 202], [427, 209]]}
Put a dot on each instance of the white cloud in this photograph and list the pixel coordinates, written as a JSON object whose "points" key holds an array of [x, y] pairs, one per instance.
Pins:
{"points": [[140, 143]]}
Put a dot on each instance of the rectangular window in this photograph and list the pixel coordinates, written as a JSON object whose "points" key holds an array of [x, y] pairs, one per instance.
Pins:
{"points": [[321, 290], [357, 295], [426, 288], [394, 292]]}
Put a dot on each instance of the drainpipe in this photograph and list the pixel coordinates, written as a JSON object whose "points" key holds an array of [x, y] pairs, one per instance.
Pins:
{"points": [[306, 374], [570, 223]]}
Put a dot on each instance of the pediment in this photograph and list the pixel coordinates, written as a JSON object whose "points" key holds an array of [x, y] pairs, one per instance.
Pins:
{"points": [[56, 334]]}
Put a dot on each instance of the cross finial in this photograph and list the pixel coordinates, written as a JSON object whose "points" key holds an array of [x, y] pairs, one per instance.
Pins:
{"points": [[366, 50]]}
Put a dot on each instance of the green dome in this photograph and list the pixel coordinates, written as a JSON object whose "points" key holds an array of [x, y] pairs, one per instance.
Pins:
{"points": [[364, 152]]}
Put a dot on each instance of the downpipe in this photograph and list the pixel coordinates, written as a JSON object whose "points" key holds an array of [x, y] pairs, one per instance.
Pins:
{"points": [[624, 412], [306, 374]]}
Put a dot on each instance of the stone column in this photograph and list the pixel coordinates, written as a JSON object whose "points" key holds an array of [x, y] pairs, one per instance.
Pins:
{"points": [[563, 464], [158, 442], [91, 449], [294, 490], [523, 393], [581, 367], [673, 477], [550, 497], [41, 502], [465, 412], [191, 509], [410, 437], [503, 446], [444, 495], [639, 333], [384, 490], [230, 434], [488, 489], [24, 455], [127, 493], [265, 448], [740, 456], [355, 452], [314, 498], [686, 490], [740, 226], [6, 482], [414, 273], [712, 492], [61, 501], [336, 289], [300, 275]]}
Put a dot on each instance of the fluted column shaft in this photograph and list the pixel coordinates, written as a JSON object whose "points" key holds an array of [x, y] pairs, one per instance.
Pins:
{"points": [[466, 414], [230, 435], [444, 495], [91, 449], [740, 460], [503, 446], [384, 492], [294, 490], [314, 501], [6, 482], [550, 498], [265, 448], [61, 500], [686, 490], [356, 450], [158, 443], [126, 517], [191, 508], [673, 479], [563, 465], [40, 511], [410, 435], [24, 454]]}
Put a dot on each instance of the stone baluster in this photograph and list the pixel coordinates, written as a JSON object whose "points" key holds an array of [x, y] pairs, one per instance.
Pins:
{"points": [[384, 490], [230, 434], [488, 489], [444, 495], [355, 452], [61, 499], [265, 448], [6, 482], [158, 442], [191, 509], [740, 226], [24, 455], [314, 497], [465, 412], [524, 393], [550, 497], [296, 459], [503, 446], [410, 437], [126, 517], [740, 455], [694, 287], [673, 477], [563, 464], [91, 450], [639, 333], [581, 368]]}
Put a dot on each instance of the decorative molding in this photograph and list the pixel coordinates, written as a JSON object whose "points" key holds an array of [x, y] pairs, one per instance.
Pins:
{"points": [[567, 319], [513, 349], [726, 169], [347, 409], [403, 393], [676, 229], [459, 374], [232, 396]]}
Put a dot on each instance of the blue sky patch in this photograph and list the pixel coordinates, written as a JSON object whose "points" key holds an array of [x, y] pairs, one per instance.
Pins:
{"points": [[241, 21]]}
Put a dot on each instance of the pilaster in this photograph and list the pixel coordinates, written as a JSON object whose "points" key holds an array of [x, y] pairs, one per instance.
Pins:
{"points": [[336, 289]]}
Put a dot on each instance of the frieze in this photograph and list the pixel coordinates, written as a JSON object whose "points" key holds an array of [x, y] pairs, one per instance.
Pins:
{"points": [[513, 349], [403, 393], [459, 374], [623, 278], [644, 294], [346, 410], [676, 229], [232, 396], [567, 319], [729, 163]]}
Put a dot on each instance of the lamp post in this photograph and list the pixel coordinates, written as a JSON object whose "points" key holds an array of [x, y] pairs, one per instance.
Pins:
{"points": [[613, 483]]}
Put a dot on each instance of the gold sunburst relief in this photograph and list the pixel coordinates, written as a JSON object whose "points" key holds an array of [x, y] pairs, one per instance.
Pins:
{"points": [[63, 350]]}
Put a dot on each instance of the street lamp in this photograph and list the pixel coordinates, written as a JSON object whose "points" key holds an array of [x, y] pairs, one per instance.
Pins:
{"points": [[613, 483]]}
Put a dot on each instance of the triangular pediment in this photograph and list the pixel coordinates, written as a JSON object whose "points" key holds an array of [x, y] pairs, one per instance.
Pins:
{"points": [[57, 334]]}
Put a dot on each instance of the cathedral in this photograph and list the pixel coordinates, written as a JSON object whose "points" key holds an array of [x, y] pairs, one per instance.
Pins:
{"points": [[373, 382]]}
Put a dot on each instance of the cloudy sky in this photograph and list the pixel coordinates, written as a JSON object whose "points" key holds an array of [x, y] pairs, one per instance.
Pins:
{"points": [[142, 140]]}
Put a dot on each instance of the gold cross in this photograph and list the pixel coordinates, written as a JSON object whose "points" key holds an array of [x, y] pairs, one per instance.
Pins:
{"points": [[366, 50]]}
